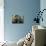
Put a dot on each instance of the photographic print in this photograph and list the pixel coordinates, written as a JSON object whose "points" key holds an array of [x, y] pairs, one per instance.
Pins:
{"points": [[17, 19], [20, 19]]}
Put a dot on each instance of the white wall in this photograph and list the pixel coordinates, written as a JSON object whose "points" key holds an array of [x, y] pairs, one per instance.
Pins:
{"points": [[1, 20], [43, 6]]}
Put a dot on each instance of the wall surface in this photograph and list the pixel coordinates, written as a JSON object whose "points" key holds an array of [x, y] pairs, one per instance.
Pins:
{"points": [[1, 20], [26, 8], [43, 6]]}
